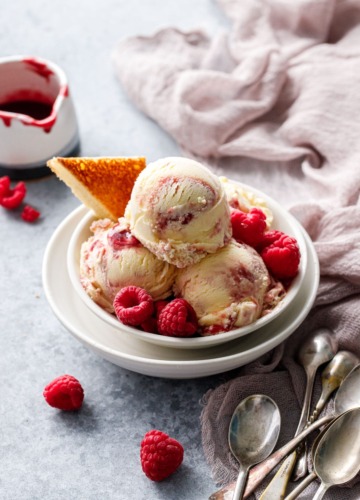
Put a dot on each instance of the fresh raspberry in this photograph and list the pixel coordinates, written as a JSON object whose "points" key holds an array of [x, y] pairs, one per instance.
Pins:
{"points": [[133, 305], [159, 306], [4, 186], [30, 214], [177, 319], [65, 393], [13, 197], [281, 256], [160, 455], [248, 227], [20, 186], [150, 325], [269, 237]]}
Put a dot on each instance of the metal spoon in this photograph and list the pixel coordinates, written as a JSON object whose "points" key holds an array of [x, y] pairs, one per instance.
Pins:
{"points": [[337, 457], [332, 377], [253, 432], [319, 348], [347, 397], [310, 477]]}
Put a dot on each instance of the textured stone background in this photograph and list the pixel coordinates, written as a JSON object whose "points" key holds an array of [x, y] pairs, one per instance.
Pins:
{"points": [[46, 454]]}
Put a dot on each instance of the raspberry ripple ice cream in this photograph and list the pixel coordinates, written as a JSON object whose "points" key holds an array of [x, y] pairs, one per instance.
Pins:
{"points": [[179, 211], [112, 259], [227, 289]]}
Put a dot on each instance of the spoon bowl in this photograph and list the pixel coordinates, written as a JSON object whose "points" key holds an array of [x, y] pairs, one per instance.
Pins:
{"points": [[318, 349], [337, 456], [332, 377], [348, 395], [253, 433]]}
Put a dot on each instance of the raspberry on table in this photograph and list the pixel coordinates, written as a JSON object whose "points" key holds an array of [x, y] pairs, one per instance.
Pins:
{"points": [[160, 455], [30, 214], [177, 319], [12, 198], [248, 227], [4, 186], [133, 305], [65, 393], [281, 255]]}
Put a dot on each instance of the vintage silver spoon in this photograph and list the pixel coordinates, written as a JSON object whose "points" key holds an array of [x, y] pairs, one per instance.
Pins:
{"points": [[331, 379], [253, 432], [312, 476], [337, 457], [318, 349], [347, 397]]}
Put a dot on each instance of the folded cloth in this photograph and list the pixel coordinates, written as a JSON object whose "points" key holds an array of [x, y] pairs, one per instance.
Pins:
{"points": [[274, 102]]}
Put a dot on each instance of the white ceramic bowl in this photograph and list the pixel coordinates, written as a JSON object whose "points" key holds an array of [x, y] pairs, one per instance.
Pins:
{"points": [[130, 352], [37, 116], [283, 221]]}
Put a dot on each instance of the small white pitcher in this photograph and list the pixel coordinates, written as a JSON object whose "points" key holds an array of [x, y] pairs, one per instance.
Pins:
{"points": [[37, 116]]}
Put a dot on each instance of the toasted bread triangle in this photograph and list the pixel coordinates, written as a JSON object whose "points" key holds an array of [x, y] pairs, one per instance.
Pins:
{"points": [[103, 184]]}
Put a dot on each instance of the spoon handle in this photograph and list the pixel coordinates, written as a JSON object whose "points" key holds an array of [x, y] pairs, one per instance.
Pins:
{"points": [[320, 405], [240, 483], [301, 486], [301, 468], [321, 491], [259, 472], [277, 487], [304, 417]]}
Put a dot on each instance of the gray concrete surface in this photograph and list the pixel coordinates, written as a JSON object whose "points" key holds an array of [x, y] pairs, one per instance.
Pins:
{"points": [[93, 454]]}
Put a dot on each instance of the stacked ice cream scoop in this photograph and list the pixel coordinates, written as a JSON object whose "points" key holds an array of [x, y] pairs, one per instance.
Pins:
{"points": [[175, 241]]}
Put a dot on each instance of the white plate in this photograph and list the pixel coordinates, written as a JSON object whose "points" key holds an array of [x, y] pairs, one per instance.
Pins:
{"points": [[283, 221], [143, 357]]}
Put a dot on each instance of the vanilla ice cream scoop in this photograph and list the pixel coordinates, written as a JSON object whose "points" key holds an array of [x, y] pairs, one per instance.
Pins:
{"points": [[179, 211], [226, 289], [113, 258]]}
